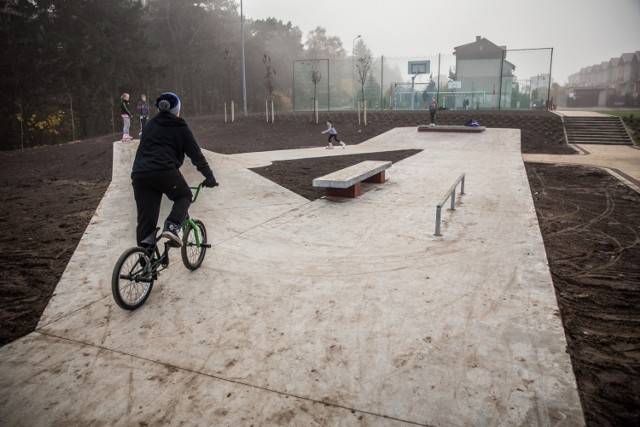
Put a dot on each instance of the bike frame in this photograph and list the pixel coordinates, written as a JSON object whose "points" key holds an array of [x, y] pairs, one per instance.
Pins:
{"points": [[160, 261], [188, 222]]}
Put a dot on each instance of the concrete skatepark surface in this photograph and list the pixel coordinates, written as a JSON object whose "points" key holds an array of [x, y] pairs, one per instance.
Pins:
{"points": [[329, 312]]}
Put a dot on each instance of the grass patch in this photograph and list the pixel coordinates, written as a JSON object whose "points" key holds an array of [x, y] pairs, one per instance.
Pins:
{"points": [[631, 118], [625, 114]]}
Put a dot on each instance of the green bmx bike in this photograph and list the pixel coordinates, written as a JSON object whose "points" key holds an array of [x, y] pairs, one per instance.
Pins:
{"points": [[138, 267]]}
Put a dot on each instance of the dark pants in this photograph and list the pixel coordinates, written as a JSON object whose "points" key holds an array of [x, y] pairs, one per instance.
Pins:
{"points": [[148, 193], [433, 116], [335, 136], [143, 122]]}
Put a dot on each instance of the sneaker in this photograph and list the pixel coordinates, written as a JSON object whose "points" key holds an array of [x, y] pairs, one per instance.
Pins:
{"points": [[170, 233], [329, 147], [343, 144]]}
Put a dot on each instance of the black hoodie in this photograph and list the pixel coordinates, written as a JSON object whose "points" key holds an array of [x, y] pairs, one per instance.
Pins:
{"points": [[165, 141]]}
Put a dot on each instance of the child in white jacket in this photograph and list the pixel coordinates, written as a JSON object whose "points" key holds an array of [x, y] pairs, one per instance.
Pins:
{"points": [[333, 133]]}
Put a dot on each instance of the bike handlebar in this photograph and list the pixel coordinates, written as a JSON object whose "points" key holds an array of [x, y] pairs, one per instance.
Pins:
{"points": [[195, 196]]}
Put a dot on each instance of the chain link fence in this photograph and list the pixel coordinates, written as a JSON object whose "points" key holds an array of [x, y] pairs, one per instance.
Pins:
{"points": [[513, 79]]}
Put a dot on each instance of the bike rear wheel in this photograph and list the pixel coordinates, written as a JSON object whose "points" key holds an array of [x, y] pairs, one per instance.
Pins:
{"points": [[132, 279], [192, 253]]}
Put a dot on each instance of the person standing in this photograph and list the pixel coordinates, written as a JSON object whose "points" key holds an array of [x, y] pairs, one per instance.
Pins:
{"points": [[333, 133], [126, 115], [433, 110], [143, 111], [156, 170]]}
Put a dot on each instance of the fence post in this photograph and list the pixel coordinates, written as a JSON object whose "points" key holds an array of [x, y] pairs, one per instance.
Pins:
{"points": [[381, 82], [113, 120], [73, 126]]}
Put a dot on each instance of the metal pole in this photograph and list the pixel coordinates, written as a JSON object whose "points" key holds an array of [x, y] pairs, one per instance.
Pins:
{"points": [[500, 86], [438, 217], [328, 85], [244, 72], [353, 66], [550, 64], [381, 82], [438, 91]]}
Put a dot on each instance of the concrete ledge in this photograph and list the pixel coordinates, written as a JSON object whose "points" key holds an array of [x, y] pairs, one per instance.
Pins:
{"points": [[345, 178], [448, 128]]}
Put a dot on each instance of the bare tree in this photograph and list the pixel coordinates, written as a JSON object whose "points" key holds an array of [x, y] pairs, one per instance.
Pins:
{"points": [[230, 69], [363, 65], [269, 76], [315, 75]]}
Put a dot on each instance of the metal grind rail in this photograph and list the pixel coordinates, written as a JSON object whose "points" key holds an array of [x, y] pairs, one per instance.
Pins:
{"points": [[451, 194]]}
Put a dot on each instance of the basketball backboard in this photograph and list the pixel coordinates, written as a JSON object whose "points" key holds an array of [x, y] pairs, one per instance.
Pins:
{"points": [[419, 67]]}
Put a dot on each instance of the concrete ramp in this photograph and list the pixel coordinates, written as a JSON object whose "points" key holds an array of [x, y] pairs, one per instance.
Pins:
{"points": [[331, 312]]}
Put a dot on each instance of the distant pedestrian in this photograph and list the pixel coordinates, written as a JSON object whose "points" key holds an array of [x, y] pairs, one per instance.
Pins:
{"points": [[465, 103], [126, 116], [433, 110], [333, 133], [143, 111]]}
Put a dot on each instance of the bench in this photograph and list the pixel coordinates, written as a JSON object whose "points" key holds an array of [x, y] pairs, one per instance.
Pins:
{"points": [[449, 128], [346, 182]]}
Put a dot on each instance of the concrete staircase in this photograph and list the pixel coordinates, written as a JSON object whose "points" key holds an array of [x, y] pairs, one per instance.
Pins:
{"points": [[596, 130]]}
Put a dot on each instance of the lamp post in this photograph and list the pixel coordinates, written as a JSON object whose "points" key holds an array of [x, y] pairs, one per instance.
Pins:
{"points": [[244, 73], [353, 64]]}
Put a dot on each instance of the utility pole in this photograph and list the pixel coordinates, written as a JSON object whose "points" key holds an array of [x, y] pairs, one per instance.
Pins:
{"points": [[244, 72]]}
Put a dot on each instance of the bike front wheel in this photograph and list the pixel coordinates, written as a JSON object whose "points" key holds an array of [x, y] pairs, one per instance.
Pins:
{"points": [[132, 279], [194, 245]]}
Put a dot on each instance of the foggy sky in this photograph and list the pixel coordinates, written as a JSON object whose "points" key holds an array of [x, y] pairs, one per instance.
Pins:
{"points": [[582, 32]]}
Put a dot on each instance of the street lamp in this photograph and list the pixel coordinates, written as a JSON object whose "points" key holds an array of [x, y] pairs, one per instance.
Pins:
{"points": [[353, 65]]}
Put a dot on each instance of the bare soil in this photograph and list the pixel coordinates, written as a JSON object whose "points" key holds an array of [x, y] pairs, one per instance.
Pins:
{"points": [[590, 224]]}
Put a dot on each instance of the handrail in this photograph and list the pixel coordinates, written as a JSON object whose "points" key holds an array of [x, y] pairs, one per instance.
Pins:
{"points": [[451, 193]]}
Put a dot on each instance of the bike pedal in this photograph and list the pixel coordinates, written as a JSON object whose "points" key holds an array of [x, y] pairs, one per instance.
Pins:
{"points": [[205, 245]]}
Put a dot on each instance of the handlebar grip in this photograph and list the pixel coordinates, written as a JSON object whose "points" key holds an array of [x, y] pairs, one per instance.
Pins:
{"points": [[202, 183]]}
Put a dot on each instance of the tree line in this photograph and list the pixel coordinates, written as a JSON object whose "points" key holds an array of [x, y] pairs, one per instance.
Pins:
{"points": [[66, 62]]}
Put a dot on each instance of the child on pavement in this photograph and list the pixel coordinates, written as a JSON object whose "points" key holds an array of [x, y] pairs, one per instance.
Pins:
{"points": [[126, 116], [433, 110], [333, 133], [143, 111]]}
